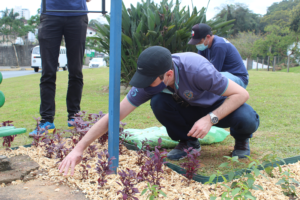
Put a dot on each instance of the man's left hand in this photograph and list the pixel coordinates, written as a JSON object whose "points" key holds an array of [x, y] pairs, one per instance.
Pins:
{"points": [[201, 127]]}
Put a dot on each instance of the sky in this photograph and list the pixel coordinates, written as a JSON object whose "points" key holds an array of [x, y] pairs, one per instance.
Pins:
{"points": [[257, 6]]}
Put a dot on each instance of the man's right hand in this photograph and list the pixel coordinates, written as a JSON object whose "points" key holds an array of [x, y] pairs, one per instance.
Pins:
{"points": [[72, 159]]}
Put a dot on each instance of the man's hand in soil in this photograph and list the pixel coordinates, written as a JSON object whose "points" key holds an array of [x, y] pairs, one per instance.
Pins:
{"points": [[201, 127], [96, 131], [73, 159]]}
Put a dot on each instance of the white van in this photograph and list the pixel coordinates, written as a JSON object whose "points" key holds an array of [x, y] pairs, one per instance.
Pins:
{"points": [[36, 61]]}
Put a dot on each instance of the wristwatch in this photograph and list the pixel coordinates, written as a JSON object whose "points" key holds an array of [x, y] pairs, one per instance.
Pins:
{"points": [[213, 118]]}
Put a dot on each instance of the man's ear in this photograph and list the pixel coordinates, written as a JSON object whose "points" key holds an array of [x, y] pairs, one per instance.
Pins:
{"points": [[170, 72]]}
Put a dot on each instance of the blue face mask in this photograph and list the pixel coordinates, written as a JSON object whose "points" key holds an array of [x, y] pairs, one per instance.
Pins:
{"points": [[155, 90], [201, 47]]}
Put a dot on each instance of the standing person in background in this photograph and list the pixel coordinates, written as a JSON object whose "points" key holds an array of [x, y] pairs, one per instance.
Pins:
{"points": [[221, 53], [53, 26]]}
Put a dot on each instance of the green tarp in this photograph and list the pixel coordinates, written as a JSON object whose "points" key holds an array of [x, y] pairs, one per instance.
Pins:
{"points": [[214, 135]]}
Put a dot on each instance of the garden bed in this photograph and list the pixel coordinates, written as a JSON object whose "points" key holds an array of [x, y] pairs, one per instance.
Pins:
{"points": [[172, 184]]}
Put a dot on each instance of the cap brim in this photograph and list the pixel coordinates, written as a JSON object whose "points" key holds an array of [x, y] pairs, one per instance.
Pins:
{"points": [[141, 81], [194, 41]]}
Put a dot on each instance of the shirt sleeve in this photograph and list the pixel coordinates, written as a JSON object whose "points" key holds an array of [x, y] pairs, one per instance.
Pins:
{"points": [[209, 79], [137, 96], [218, 57]]}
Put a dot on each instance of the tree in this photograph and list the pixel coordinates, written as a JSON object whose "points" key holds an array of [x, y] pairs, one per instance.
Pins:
{"points": [[275, 43], [150, 24], [244, 42], [245, 19], [34, 20], [279, 13], [11, 27]]}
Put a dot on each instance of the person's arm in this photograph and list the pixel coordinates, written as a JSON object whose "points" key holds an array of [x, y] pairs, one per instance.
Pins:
{"points": [[96, 131], [236, 96], [218, 57]]}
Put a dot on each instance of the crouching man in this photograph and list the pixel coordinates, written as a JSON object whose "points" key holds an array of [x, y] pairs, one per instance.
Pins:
{"points": [[188, 96]]}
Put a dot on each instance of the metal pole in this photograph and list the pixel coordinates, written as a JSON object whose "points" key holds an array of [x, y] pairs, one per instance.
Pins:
{"points": [[268, 62], [103, 7], [114, 80], [274, 63], [288, 64], [256, 63]]}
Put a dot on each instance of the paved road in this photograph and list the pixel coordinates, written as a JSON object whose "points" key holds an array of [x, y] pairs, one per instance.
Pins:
{"points": [[11, 74]]}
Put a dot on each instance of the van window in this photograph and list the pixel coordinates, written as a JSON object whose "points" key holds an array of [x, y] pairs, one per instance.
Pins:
{"points": [[36, 50]]}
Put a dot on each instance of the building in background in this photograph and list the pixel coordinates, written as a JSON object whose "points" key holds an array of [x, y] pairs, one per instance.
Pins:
{"points": [[23, 12], [26, 13]]}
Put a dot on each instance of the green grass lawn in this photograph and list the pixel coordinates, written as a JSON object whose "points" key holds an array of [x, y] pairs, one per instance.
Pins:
{"points": [[293, 69], [275, 97]]}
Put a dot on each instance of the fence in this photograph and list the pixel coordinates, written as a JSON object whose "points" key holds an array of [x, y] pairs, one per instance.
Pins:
{"points": [[267, 63], [9, 55]]}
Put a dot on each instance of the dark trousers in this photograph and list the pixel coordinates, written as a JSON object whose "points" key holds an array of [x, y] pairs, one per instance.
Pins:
{"points": [[51, 30], [179, 120]]}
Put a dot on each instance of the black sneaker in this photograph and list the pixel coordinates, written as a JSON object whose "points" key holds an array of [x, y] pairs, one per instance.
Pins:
{"points": [[178, 152], [241, 148]]}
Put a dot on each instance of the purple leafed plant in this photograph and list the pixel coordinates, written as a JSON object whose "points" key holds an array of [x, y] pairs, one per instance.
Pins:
{"points": [[103, 168], [122, 137], [7, 140], [48, 144], [39, 136], [152, 170], [92, 150], [191, 165], [58, 136], [128, 180], [61, 151], [84, 171], [141, 153], [102, 140], [6, 123]]}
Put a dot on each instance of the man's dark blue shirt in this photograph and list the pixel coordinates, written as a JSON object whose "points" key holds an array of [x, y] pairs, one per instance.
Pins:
{"points": [[226, 58], [65, 5]]}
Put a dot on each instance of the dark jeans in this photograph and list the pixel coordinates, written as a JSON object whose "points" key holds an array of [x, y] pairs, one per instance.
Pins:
{"points": [[179, 120], [51, 30]]}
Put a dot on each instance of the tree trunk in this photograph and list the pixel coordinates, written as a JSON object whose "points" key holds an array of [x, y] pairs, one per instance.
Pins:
{"points": [[16, 55]]}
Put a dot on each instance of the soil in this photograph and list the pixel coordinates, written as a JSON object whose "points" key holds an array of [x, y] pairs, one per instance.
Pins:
{"points": [[39, 190], [213, 155], [174, 185]]}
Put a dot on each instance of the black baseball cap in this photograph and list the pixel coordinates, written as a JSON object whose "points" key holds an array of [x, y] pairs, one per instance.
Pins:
{"points": [[199, 31], [152, 62]]}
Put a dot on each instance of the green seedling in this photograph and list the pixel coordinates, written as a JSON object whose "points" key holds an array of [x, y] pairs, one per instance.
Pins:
{"points": [[287, 184], [154, 192], [230, 164], [211, 181], [272, 159]]}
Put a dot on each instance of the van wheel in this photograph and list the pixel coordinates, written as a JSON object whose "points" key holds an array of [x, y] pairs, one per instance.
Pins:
{"points": [[36, 69], [65, 68]]}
